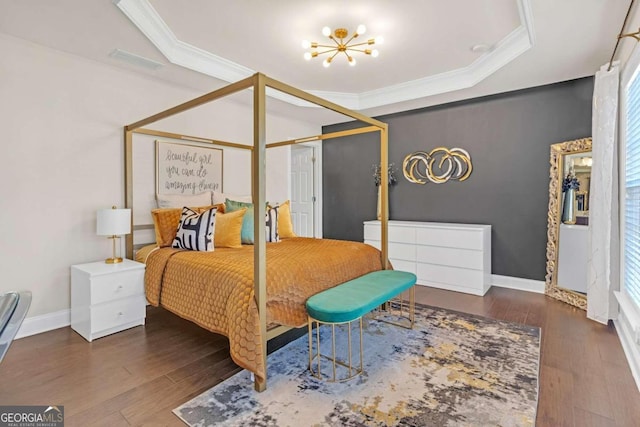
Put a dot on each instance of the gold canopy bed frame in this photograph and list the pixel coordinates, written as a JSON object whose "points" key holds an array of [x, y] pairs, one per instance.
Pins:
{"points": [[259, 84]]}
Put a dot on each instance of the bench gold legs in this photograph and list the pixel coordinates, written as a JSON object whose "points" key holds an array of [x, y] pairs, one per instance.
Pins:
{"points": [[399, 308], [346, 362]]}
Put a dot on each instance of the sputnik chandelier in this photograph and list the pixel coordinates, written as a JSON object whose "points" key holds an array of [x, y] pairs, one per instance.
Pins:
{"points": [[342, 43]]}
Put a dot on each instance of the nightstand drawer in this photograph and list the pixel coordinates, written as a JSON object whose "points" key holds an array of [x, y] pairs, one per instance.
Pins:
{"points": [[118, 285], [113, 314]]}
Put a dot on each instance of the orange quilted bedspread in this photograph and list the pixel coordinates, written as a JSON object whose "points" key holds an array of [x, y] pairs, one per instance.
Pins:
{"points": [[215, 289]]}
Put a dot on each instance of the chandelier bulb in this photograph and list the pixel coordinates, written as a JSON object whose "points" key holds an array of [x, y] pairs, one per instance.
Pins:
{"points": [[375, 53], [352, 61], [306, 44], [326, 63], [361, 29], [326, 31], [379, 40], [307, 56]]}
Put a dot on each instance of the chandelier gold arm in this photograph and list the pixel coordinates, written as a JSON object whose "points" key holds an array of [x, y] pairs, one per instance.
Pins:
{"points": [[365, 51], [368, 42], [352, 37], [325, 51], [330, 46]]}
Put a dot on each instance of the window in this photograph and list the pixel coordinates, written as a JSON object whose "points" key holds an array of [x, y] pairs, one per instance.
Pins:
{"points": [[631, 190]]}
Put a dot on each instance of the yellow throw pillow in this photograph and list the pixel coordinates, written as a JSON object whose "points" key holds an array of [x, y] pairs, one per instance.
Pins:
{"points": [[228, 229], [166, 221], [285, 225]]}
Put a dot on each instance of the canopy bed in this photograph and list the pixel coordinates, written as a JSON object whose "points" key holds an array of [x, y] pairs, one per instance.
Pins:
{"points": [[248, 304]]}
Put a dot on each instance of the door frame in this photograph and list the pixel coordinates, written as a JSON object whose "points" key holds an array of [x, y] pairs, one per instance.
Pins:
{"points": [[317, 184]]}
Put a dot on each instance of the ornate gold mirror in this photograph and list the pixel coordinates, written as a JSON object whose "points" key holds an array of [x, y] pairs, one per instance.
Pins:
{"points": [[567, 222]]}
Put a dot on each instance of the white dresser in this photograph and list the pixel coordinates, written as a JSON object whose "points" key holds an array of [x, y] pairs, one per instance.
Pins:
{"points": [[107, 298], [456, 257]]}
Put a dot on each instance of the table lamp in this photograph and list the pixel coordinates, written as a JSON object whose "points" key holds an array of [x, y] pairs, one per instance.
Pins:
{"points": [[113, 223]]}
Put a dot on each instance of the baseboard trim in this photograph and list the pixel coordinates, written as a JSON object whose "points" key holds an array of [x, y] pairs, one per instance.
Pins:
{"points": [[43, 323], [629, 346], [527, 285]]}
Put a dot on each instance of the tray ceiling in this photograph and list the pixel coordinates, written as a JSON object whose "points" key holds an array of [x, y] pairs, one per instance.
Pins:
{"points": [[426, 58]]}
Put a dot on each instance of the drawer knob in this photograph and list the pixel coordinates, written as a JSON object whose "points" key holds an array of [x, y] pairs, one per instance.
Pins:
{"points": [[120, 313], [119, 287]]}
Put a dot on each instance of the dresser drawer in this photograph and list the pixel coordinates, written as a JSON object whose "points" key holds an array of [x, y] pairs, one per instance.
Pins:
{"points": [[401, 251], [371, 232], [450, 276], [451, 238], [113, 314], [451, 257], [396, 234], [117, 285]]}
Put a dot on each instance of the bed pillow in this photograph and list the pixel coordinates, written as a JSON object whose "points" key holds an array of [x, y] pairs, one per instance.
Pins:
{"points": [[167, 220], [247, 223], [219, 197], [195, 232], [285, 224], [180, 200], [166, 223], [228, 229], [271, 225]]}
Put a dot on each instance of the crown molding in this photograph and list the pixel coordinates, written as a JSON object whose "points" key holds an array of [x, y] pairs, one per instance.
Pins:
{"points": [[151, 24]]}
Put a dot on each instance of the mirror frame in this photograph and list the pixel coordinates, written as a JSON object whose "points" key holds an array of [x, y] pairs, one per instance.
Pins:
{"points": [[556, 175]]}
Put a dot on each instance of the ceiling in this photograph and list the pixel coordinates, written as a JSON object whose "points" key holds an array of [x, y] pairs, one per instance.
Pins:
{"points": [[426, 58]]}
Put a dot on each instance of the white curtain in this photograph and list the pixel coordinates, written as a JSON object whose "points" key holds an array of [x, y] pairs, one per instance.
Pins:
{"points": [[603, 263]]}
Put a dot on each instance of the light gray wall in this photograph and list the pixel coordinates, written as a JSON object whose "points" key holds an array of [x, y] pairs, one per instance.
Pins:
{"points": [[508, 137]]}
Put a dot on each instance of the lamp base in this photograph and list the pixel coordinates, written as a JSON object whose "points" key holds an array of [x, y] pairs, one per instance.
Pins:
{"points": [[115, 259]]}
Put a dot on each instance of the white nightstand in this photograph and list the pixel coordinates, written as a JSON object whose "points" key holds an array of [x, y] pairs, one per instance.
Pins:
{"points": [[107, 298]]}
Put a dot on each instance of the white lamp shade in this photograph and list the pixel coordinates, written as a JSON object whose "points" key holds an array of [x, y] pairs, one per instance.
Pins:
{"points": [[113, 222]]}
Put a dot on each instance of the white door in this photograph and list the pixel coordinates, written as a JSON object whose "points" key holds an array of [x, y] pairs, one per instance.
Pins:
{"points": [[302, 186]]}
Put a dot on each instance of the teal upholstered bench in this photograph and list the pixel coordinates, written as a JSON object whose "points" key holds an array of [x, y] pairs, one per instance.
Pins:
{"points": [[347, 303]]}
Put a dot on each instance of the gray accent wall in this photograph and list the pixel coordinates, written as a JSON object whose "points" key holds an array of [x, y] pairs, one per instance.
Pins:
{"points": [[508, 137]]}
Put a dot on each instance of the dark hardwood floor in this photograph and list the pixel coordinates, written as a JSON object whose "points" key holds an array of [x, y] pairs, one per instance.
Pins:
{"points": [[136, 377]]}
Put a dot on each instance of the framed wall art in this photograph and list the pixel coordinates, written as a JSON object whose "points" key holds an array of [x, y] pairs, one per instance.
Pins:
{"points": [[187, 169]]}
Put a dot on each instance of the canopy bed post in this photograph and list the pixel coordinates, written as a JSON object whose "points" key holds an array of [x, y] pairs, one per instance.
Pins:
{"points": [[258, 193], [384, 194], [128, 185]]}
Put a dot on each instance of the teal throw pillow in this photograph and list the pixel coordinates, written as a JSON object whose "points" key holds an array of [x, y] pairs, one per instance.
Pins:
{"points": [[246, 234]]}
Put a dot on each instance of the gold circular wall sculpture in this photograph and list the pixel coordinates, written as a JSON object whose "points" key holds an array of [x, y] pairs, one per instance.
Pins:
{"points": [[454, 163]]}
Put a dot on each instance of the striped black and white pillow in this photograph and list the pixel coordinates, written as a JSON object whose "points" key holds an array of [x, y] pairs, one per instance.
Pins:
{"points": [[195, 231], [271, 225]]}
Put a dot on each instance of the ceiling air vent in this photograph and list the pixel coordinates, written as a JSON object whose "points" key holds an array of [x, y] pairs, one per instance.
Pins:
{"points": [[134, 59]]}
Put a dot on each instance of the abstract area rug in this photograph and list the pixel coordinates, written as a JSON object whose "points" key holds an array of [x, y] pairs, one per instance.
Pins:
{"points": [[452, 369]]}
